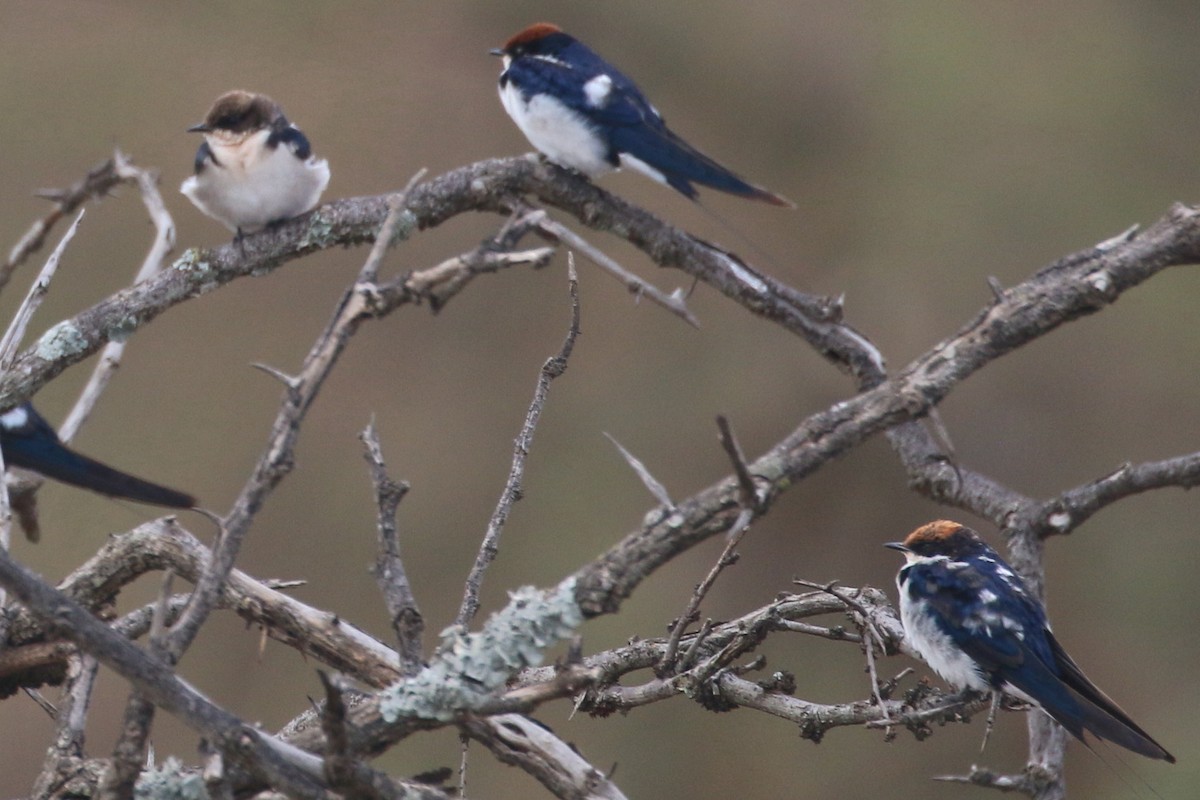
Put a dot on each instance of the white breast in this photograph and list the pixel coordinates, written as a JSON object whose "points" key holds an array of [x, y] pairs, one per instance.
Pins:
{"points": [[252, 185], [937, 648], [561, 134]]}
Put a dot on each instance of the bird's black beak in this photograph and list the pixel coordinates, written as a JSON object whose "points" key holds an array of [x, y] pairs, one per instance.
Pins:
{"points": [[496, 51], [901, 546], [199, 127]]}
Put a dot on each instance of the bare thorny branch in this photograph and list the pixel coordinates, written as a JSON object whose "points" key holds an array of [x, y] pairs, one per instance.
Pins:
{"points": [[1075, 286]]}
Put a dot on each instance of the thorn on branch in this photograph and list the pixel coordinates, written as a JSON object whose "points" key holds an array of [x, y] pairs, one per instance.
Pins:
{"points": [[997, 288], [289, 382], [648, 480]]}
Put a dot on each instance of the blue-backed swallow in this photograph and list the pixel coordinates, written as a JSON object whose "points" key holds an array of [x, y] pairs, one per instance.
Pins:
{"points": [[974, 621], [582, 113]]}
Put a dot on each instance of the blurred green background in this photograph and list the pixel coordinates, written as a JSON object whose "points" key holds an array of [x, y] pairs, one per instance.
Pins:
{"points": [[928, 146]]}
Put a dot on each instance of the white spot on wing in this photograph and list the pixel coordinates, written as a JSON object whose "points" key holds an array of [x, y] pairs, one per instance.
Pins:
{"points": [[14, 419], [598, 90]]}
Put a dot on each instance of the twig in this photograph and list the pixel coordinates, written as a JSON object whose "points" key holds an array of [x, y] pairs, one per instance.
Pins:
{"points": [[252, 748], [39, 700], [674, 302], [8, 345], [387, 232], [554, 367], [727, 558], [97, 183], [750, 503], [733, 449], [33, 299], [440, 283], [390, 574], [71, 722], [160, 248], [838, 633]]}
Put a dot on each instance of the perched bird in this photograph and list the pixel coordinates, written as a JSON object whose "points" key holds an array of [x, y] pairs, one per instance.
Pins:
{"points": [[27, 440], [254, 168], [582, 113], [972, 619]]}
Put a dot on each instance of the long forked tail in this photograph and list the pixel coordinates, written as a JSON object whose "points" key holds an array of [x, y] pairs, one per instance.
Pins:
{"points": [[1096, 713], [28, 441], [86, 473], [665, 157]]}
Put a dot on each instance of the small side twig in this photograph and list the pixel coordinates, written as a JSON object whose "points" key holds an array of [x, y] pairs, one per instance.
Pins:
{"points": [[750, 503], [749, 493], [8, 346], [727, 558], [160, 248], [387, 231], [97, 183], [33, 298], [869, 642], [554, 367], [673, 302], [71, 717], [390, 574]]}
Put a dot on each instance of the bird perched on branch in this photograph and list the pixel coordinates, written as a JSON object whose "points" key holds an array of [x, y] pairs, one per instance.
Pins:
{"points": [[973, 620], [582, 113], [254, 167], [28, 441]]}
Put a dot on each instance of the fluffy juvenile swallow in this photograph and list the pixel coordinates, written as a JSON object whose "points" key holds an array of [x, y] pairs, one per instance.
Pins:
{"points": [[973, 620], [28, 441], [582, 113], [254, 167]]}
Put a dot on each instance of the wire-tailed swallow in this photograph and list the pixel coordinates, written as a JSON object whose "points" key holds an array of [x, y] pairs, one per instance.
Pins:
{"points": [[972, 619], [254, 168], [582, 113], [28, 441]]}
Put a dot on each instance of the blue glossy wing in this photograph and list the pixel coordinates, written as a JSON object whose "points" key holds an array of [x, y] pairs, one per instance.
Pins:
{"points": [[290, 136], [1000, 628]]}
